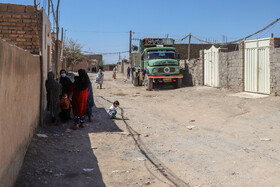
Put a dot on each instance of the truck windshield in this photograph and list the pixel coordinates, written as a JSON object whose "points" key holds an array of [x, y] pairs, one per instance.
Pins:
{"points": [[161, 55]]}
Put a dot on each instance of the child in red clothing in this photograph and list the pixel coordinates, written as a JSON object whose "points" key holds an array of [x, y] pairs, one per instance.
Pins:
{"points": [[65, 107]]}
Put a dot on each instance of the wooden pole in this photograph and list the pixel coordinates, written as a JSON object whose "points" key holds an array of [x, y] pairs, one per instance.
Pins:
{"points": [[49, 7], [56, 43], [189, 47], [62, 46], [130, 41]]}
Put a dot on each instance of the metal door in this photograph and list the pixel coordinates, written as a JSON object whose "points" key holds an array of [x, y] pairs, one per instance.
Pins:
{"points": [[211, 67], [257, 68]]}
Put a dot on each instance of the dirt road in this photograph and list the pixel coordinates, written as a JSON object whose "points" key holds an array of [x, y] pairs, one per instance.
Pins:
{"points": [[193, 136]]}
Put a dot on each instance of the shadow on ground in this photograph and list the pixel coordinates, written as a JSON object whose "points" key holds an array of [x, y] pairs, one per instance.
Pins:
{"points": [[65, 157]]}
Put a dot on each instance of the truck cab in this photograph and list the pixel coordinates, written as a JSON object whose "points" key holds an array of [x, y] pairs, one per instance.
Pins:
{"points": [[159, 64]]}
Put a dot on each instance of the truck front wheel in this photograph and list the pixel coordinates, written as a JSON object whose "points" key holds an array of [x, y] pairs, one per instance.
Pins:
{"points": [[178, 83], [148, 83]]}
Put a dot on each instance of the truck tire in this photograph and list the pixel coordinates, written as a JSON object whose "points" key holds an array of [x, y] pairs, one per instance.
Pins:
{"points": [[178, 83], [148, 83], [135, 80]]}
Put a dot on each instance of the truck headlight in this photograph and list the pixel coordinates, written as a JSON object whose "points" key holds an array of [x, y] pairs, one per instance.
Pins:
{"points": [[155, 70]]}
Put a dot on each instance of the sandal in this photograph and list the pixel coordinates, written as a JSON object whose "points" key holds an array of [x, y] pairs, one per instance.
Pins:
{"points": [[82, 125], [75, 127]]}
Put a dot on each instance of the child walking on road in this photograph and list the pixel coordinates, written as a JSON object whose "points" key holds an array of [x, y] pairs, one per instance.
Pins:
{"points": [[112, 112], [99, 78]]}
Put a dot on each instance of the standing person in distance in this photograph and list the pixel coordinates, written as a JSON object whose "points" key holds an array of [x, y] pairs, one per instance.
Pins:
{"points": [[128, 72], [114, 76]]}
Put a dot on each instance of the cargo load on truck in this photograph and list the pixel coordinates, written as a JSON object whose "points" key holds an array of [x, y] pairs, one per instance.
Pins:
{"points": [[156, 63]]}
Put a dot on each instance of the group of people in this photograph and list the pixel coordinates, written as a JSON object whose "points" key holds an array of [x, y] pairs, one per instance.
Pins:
{"points": [[64, 96]]}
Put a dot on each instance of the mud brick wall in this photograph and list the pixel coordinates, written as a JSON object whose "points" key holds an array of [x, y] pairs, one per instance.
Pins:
{"points": [[182, 49], [19, 107], [275, 42], [275, 71], [231, 70], [193, 73], [18, 26]]}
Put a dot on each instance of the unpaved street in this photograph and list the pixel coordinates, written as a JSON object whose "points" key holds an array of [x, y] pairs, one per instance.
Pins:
{"points": [[193, 136]]}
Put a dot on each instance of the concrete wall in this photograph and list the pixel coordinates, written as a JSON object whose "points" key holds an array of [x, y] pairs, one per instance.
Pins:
{"points": [[275, 71], [231, 70], [19, 26], [19, 107]]}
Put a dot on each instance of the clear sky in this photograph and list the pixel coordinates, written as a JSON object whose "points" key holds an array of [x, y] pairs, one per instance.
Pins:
{"points": [[103, 25]]}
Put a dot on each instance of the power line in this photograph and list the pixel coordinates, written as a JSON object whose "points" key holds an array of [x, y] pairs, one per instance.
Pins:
{"points": [[101, 32], [235, 41], [106, 53]]}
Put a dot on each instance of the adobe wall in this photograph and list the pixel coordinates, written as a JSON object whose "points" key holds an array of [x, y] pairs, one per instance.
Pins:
{"points": [[18, 26], [19, 107]]}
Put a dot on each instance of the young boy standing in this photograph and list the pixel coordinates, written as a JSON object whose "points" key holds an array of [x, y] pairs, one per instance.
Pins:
{"points": [[112, 112]]}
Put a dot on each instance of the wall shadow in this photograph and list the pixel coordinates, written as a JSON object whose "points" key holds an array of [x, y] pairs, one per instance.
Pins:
{"points": [[188, 78], [60, 159]]}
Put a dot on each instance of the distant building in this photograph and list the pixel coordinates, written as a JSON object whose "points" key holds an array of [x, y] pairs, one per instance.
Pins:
{"points": [[90, 63], [109, 67]]}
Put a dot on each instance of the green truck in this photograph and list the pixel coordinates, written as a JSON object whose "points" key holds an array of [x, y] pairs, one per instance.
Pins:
{"points": [[156, 63]]}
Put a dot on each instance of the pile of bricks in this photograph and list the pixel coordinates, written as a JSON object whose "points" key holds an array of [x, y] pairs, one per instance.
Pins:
{"points": [[18, 26]]}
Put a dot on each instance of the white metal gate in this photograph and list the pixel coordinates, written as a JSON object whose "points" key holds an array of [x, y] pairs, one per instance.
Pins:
{"points": [[257, 68], [211, 67]]}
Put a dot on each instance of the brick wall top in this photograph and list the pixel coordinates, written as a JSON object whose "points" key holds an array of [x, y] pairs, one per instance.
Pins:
{"points": [[275, 42], [19, 26], [13, 8]]}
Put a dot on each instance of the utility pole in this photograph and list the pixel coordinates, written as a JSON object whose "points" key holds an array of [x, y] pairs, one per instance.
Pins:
{"points": [[62, 46], [130, 43], [189, 47], [130, 39], [55, 15], [49, 7]]}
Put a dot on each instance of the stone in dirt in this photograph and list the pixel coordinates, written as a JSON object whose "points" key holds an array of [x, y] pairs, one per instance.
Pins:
{"points": [[88, 169], [42, 135], [190, 127], [265, 139]]}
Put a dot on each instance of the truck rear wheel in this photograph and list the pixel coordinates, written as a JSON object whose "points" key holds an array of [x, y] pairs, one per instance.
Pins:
{"points": [[148, 83], [135, 80]]}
